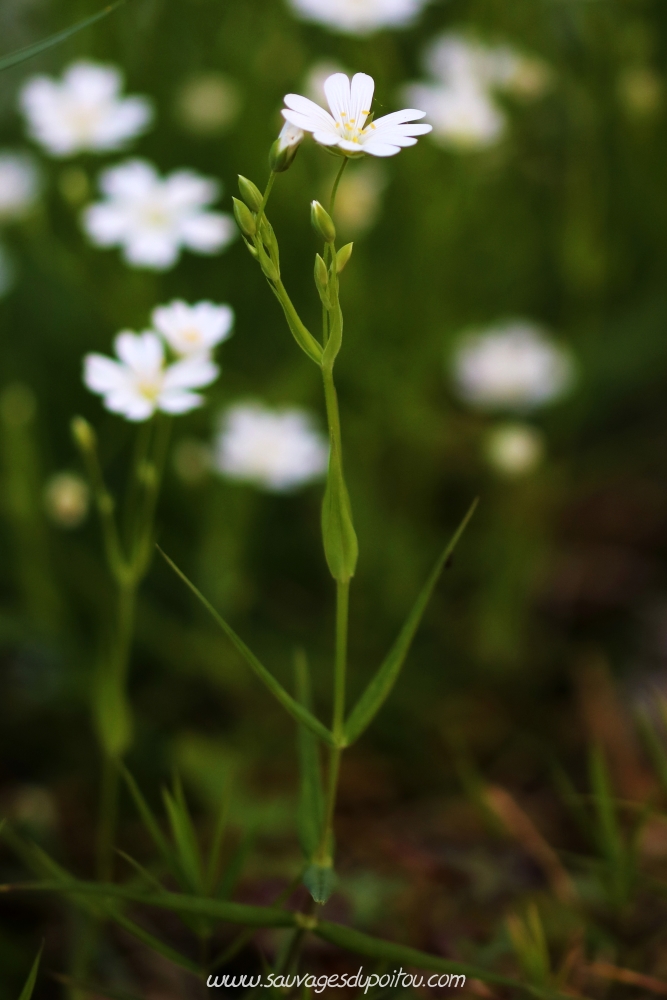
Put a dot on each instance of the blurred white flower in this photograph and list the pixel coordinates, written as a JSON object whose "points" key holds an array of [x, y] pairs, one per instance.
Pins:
{"points": [[208, 103], [66, 499], [83, 112], [514, 449], [140, 383], [289, 136], [464, 117], [152, 217], [350, 104], [275, 449], [7, 272], [460, 102], [193, 329], [19, 185], [359, 17], [359, 198], [317, 76], [514, 366]]}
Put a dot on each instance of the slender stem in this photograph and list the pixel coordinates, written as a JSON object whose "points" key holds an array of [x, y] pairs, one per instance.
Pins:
{"points": [[267, 192], [342, 605], [334, 190]]}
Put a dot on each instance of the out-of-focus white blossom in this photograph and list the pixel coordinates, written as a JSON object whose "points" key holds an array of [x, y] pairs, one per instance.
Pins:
{"points": [[514, 365], [140, 382], [84, 112], [193, 329], [152, 218], [514, 449], [208, 103], [19, 185], [317, 76], [66, 499], [359, 17], [275, 449], [359, 198], [460, 100], [289, 136], [345, 129]]}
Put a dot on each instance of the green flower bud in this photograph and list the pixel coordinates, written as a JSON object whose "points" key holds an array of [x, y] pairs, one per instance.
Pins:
{"points": [[245, 218], [250, 193], [83, 434], [322, 222], [285, 148], [343, 256], [322, 281], [268, 267]]}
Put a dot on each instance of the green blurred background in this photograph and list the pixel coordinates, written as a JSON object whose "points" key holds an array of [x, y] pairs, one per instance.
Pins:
{"points": [[560, 580]]}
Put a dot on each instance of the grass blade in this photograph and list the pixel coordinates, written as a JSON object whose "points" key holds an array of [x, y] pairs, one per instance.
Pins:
{"points": [[14, 58], [188, 852], [372, 947], [310, 810], [235, 866], [151, 941], [150, 822], [215, 851], [217, 909], [380, 686], [27, 990], [296, 710]]}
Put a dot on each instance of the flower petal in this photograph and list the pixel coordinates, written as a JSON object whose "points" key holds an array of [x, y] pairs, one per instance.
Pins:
{"points": [[361, 98], [316, 116], [179, 401], [337, 91]]}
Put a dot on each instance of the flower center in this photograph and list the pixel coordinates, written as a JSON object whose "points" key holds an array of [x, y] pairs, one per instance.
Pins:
{"points": [[149, 388], [352, 129]]}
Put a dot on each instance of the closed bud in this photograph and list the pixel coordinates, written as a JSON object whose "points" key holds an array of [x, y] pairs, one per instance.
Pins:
{"points": [[321, 273], [83, 434], [285, 148], [250, 193], [322, 222], [245, 218], [343, 256], [268, 267]]}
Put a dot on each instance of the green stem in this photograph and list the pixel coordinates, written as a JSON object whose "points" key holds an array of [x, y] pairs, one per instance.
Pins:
{"points": [[267, 192], [334, 190], [342, 605]]}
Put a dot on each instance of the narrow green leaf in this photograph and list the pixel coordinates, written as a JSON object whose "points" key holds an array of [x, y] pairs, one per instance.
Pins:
{"points": [[216, 844], [14, 58], [149, 821], [217, 909], [610, 841], [143, 873], [364, 944], [183, 831], [320, 881], [296, 710], [310, 810], [301, 334], [27, 990], [153, 942], [341, 548], [380, 686]]}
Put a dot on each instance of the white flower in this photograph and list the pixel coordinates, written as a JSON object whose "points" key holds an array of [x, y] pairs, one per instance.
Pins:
{"points": [[350, 105], [464, 117], [359, 17], [140, 383], [514, 366], [461, 103], [193, 329], [276, 449], [289, 136], [514, 449], [19, 185], [152, 217], [84, 112]]}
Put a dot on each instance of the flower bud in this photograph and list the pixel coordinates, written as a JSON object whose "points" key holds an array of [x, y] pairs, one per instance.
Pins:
{"points": [[268, 267], [245, 218], [322, 222], [343, 256], [250, 193], [83, 434], [321, 273], [285, 148]]}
